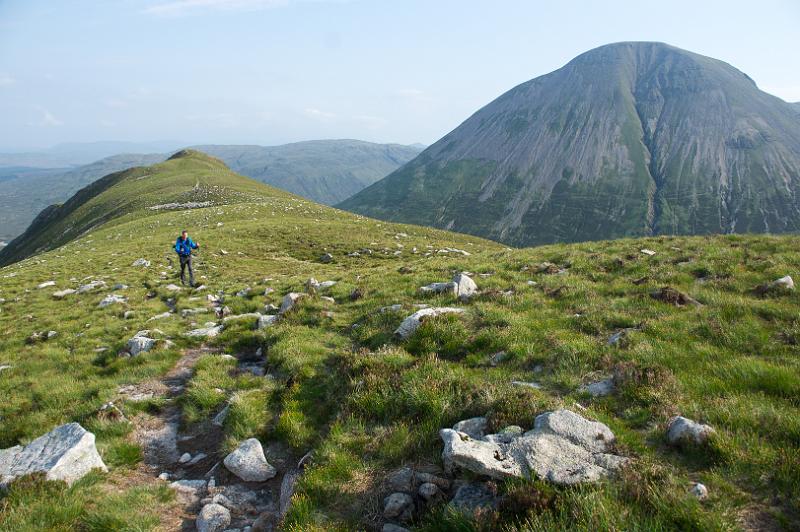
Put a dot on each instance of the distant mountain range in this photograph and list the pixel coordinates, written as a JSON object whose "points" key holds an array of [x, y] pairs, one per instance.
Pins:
{"points": [[326, 171], [627, 139]]}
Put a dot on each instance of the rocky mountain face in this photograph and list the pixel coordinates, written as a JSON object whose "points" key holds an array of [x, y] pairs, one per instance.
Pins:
{"points": [[627, 139]]}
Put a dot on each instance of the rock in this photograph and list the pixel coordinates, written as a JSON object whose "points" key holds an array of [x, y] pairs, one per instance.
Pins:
{"points": [[430, 492], [289, 302], [700, 491], [412, 323], [141, 263], [474, 427], [162, 316], [163, 476], [681, 430], [266, 321], [473, 497], [219, 419], [173, 287], [46, 284], [563, 447], [128, 314], [497, 358], [439, 288], [784, 282], [327, 258], [674, 297], [527, 384], [600, 388], [191, 488], [236, 498], [248, 316], [244, 292], [140, 343], [506, 435], [111, 299], [209, 331], [312, 285], [465, 286], [422, 477], [89, 287], [119, 286], [249, 463], [61, 294], [401, 480], [398, 506], [66, 453], [192, 311], [185, 457], [213, 518], [648, 252], [4, 367]]}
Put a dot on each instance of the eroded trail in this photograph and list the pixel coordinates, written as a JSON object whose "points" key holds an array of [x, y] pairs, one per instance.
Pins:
{"points": [[190, 457]]}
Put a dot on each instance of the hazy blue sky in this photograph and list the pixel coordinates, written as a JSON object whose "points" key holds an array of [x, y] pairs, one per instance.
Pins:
{"points": [[273, 71]]}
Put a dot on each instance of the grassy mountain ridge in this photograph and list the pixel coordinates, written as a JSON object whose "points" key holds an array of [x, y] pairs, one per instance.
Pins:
{"points": [[628, 139], [339, 383]]}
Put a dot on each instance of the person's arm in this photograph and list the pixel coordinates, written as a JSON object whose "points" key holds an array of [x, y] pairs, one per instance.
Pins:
{"points": [[177, 247], [195, 245]]}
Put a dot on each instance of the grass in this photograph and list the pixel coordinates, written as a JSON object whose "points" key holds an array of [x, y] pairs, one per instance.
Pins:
{"points": [[367, 403]]}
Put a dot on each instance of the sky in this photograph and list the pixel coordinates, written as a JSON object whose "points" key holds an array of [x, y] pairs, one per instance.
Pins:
{"points": [[275, 71]]}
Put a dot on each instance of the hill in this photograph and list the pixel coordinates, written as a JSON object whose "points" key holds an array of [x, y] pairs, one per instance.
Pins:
{"points": [[25, 192], [627, 139], [591, 328], [325, 171]]}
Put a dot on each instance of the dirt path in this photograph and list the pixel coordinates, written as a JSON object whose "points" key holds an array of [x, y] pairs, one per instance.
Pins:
{"points": [[201, 477]]}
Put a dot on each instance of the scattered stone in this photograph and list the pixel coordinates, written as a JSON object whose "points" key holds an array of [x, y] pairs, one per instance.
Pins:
{"points": [[249, 463], [46, 284], [783, 284], [430, 492], [141, 263], [162, 316], [185, 457], [61, 294], [191, 490], [119, 286], [401, 480], [439, 288], [244, 292], [412, 323], [700, 491], [289, 302], [506, 435], [4, 367], [140, 343], [190, 311], [398, 506], [219, 419], [474, 427], [111, 299], [213, 518], [681, 430], [465, 286], [199, 457], [89, 287], [473, 497], [563, 447], [163, 476], [497, 358], [209, 331], [173, 287], [600, 388], [66, 453], [266, 321], [648, 252], [326, 258]]}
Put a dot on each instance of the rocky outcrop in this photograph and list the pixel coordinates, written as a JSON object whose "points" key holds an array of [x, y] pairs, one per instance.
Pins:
{"points": [[66, 453], [563, 448]]}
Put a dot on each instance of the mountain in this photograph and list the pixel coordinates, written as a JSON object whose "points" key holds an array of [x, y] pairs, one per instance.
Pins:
{"points": [[24, 192], [325, 171], [70, 154], [796, 106], [627, 139], [572, 358]]}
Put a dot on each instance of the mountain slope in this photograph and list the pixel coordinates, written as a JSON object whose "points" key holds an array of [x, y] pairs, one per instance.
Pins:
{"points": [[325, 171], [24, 192], [329, 376], [627, 139], [188, 177]]}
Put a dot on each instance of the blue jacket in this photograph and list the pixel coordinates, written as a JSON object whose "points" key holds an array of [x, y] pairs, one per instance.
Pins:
{"points": [[185, 247]]}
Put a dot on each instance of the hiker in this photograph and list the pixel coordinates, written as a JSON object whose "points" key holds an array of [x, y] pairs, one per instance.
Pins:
{"points": [[183, 247]]}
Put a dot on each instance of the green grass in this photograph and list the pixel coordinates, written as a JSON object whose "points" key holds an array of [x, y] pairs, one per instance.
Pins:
{"points": [[367, 403]]}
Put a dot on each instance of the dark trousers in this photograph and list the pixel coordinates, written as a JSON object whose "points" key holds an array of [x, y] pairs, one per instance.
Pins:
{"points": [[186, 261]]}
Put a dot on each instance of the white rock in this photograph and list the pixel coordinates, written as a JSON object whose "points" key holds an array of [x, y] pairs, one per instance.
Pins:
{"points": [[141, 262], [648, 252], [440, 288], [94, 285], [140, 344], [173, 287], [185, 457], [289, 302], [4, 367], [190, 487], [209, 331], [600, 388], [219, 419], [684, 430], [412, 323], [465, 286], [474, 427], [213, 518], [111, 299], [46, 284], [592, 435], [700, 491], [484, 458], [784, 282], [527, 384], [249, 463], [162, 316], [61, 294], [266, 321], [66, 453]]}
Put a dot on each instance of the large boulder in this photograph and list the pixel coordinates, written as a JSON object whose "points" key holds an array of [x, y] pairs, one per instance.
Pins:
{"points": [[563, 447], [412, 323], [465, 286], [66, 453], [140, 344], [289, 301], [249, 463]]}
